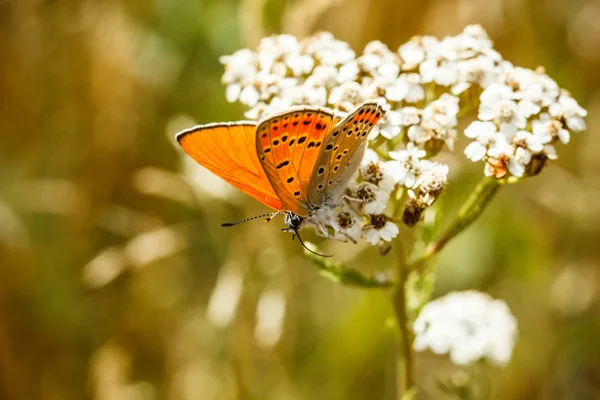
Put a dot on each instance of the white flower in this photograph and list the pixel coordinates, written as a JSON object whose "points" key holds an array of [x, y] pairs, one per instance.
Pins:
{"points": [[407, 87], [323, 75], [480, 70], [485, 134], [249, 96], [240, 67], [389, 126], [438, 121], [348, 223], [469, 326], [503, 151], [410, 116], [348, 72], [373, 170], [444, 74], [406, 168], [545, 126], [329, 51], [378, 60], [535, 86], [433, 177], [347, 95], [380, 228], [497, 105], [374, 200], [534, 143], [572, 113], [306, 95], [412, 53]]}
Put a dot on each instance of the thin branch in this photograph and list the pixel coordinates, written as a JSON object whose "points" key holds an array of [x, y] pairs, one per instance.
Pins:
{"points": [[406, 356]]}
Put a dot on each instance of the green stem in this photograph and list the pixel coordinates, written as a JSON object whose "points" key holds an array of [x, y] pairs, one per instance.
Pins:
{"points": [[468, 213], [338, 272], [406, 356]]}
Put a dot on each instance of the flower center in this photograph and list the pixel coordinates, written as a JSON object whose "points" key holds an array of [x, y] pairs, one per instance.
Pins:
{"points": [[366, 193], [379, 220], [345, 220], [373, 173]]}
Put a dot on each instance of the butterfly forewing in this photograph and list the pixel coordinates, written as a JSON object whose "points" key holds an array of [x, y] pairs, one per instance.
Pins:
{"points": [[229, 151], [288, 145], [342, 152]]}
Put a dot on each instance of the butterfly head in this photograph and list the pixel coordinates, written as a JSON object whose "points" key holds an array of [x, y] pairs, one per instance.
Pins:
{"points": [[293, 222]]}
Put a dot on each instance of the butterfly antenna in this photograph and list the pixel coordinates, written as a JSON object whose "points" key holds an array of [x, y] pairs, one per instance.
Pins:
{"points": [[303, 245], [269, 215]]}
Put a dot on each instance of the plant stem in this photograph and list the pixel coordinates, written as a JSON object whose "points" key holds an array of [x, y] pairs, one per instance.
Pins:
{"points": [[468, 213], [406, 356]]}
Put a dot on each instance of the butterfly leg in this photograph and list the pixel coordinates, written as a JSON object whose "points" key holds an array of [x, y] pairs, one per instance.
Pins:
{"points": [[343, 237], [353, 199], [270, 217]]}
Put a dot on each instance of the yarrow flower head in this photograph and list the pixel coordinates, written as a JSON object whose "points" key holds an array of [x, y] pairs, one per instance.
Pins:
{"points": [[427, 84], [469, 326], [521, 119]]}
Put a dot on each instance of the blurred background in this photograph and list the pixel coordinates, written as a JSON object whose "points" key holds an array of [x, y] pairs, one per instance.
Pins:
{"points": [[117, 281]]}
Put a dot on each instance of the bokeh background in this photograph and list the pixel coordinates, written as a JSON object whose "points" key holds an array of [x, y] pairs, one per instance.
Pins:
{"points": [[117, 282]]}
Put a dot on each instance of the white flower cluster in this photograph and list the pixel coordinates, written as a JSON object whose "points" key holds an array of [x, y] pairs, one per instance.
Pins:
{"points": [[374, 186], [427, 83], [284, 72], [521, 116], [469, 326]]}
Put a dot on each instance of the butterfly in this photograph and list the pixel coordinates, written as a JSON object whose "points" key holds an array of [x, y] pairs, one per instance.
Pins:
{"points": [[297, 162]]}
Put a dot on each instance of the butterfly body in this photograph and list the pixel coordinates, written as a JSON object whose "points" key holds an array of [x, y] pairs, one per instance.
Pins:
{"points": [[297, 162]]}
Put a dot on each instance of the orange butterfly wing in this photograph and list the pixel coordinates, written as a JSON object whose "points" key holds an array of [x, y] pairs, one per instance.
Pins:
{"points": [[229, 151], [343, 151], [288, 145]]}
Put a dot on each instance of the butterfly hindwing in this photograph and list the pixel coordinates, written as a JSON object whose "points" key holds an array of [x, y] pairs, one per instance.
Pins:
{"points": [[229, 151], [288, 145], [342, 152]]}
